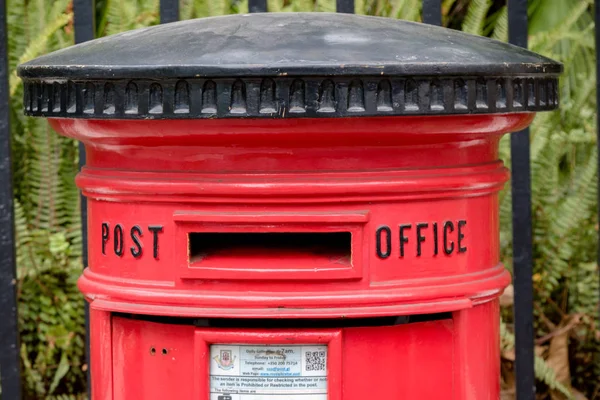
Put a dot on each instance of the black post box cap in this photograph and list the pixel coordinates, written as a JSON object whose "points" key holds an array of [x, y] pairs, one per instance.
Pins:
{"points": [[288, 65]]}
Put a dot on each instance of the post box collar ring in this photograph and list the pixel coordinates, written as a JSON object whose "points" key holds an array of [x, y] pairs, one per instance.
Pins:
{"points": [[288, 65]]}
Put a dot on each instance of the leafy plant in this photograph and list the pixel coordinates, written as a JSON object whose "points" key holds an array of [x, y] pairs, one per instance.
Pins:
{"points": [[564, 197], [46, 217]]}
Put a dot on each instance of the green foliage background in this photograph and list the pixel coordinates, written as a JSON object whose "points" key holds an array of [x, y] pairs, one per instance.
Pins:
{"points": [[564, 175]]}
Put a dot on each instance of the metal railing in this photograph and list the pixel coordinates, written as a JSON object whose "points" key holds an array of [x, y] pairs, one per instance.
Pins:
{"points": [[9, 332], [169, 12]]}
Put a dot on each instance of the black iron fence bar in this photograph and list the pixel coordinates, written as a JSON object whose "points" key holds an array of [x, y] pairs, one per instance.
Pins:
{"points": [[345, 6], [169, 11], [597, 19], [255, 6], [432, 12], [83, 20], [9, 333], [522, 229]]}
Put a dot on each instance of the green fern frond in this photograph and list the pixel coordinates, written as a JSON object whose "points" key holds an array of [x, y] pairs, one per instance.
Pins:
{"points": [[327, 5], [500, 31], [37, 46], [543, 371], [81, 396], [240, 7], [409, 10], [218, 7], [475, 17], [566, 25], [186, 10], [359, 7], [275, 5], [16, 19], [546, 374]]}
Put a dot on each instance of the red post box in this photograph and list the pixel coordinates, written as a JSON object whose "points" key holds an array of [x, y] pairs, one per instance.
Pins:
{"points": [[292, 206]]}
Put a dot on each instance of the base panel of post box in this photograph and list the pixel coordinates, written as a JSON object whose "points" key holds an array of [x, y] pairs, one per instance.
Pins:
{"points": [[448, 355]]}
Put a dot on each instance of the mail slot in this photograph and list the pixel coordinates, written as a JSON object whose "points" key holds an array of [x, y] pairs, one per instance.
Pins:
{"points": [[292, 206], [272, 245], [299, 250]]}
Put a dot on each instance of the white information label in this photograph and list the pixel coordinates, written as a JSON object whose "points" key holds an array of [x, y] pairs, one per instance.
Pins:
{"points": [[269, 372]]}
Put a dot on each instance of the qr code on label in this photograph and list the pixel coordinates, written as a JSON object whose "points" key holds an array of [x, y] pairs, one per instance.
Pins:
{"points": [[315, 360]]}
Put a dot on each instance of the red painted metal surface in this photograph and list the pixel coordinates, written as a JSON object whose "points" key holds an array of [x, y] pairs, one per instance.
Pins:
{"points": [[296, 219], [392, 362]]}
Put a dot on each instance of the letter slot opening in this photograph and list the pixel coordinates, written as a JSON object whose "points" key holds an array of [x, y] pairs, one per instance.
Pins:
{"points": [[270, 251]]}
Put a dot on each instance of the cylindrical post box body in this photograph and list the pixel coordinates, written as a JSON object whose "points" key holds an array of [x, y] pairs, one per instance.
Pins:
{"points": [[306, 218]]}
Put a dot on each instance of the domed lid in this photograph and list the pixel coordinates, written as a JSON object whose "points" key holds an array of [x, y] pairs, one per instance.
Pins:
{"points": [[286, 65]]}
